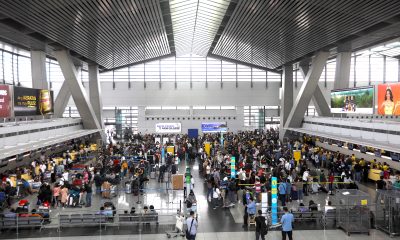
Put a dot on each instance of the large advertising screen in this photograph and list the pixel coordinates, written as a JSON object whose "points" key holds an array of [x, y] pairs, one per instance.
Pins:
{"points": [[5, 101], [29, 101], [354, 100], [214, 127], [389, 99]]}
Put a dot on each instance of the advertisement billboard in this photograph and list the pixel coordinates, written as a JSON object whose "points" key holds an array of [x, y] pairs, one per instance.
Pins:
{"points": [[389, 99], [168, 128], [45, 102], [25, 101], [30, 102], [354, 100], [214, 127], [5, 101]]}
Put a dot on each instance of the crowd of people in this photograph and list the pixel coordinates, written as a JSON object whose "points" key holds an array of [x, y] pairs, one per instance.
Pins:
{"points": [[258, 156]]}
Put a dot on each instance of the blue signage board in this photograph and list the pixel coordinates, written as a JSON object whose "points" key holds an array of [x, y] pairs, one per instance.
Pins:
{"points": [[233, 167], [274, 200], [214, 127]]}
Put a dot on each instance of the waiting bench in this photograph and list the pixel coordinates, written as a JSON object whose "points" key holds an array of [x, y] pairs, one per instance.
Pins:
{"points": [[84, 219], [21, 222], [308, 216], [129, 219]]}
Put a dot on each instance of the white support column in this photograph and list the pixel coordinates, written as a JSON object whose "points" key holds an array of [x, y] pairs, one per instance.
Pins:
{"points": [[62, 98], [306, 91], [95, 93], [320, 103], [142, 119], [343, 64], [77, 91], [287, 94], [38, 68]]}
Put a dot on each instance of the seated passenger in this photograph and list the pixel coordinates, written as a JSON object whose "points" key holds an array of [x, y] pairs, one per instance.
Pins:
{"points": [[312, 206], [152, 210], [302, 208], [251, 207], [105, 212], [191, 199], [133, 211]]}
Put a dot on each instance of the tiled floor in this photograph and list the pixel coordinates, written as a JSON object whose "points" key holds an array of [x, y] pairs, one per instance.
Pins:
{"points": [[273, 235]]}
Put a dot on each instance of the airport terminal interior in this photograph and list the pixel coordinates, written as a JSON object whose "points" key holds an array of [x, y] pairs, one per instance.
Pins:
{"points": [[200, 119]]}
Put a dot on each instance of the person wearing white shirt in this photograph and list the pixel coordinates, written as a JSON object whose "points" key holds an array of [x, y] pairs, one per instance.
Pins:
{"points": [[191, 226], [65, 176], [306, 174]]}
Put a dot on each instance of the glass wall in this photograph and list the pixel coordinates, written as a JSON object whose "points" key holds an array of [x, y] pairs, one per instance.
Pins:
{"points": [[189, 68]]}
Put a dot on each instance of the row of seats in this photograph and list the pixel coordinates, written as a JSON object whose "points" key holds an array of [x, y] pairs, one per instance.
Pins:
{"points": [[21, 222], [69, 220]]}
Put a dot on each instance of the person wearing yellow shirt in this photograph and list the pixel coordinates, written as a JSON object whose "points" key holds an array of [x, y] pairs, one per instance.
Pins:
{"points": [[353, 158]]}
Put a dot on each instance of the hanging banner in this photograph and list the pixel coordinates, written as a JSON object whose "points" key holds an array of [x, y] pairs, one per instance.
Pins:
{"points": [[214, 127], [207, 148], [5, 101], [168, 128], [274, 200], [233, 167]]}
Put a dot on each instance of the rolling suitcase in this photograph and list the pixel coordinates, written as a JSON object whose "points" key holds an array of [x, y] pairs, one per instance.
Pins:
{"points": [[128, 187]]}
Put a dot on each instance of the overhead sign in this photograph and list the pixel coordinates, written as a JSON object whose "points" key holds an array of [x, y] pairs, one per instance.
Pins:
{"points": [[5, 101], [214, 127], [354, 100], [168, 128]]}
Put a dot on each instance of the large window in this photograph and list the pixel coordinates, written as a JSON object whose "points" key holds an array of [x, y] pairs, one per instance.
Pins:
{"points": [[189, 68], [15, 66]]}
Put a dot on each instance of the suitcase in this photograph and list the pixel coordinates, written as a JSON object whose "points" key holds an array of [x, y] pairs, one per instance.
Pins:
{"points": [[128, 187], [113, 190], [153, 175]]}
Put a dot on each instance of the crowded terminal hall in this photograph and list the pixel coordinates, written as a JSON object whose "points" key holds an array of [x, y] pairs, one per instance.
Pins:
{"points": [[206, 119]]}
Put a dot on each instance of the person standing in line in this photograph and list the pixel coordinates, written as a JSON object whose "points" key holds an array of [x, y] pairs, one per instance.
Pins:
{"points": [[192, 225], [286, 221], [261, 226]]}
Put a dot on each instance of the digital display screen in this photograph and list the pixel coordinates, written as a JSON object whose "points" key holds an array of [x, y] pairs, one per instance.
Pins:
{"points": [[354, 100]]}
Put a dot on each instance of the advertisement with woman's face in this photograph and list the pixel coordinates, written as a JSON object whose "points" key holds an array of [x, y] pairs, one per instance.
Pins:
{"points": [[389, 99]]}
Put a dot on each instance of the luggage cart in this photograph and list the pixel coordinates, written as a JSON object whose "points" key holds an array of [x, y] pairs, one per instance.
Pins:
{"points": [[180, 219]]}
